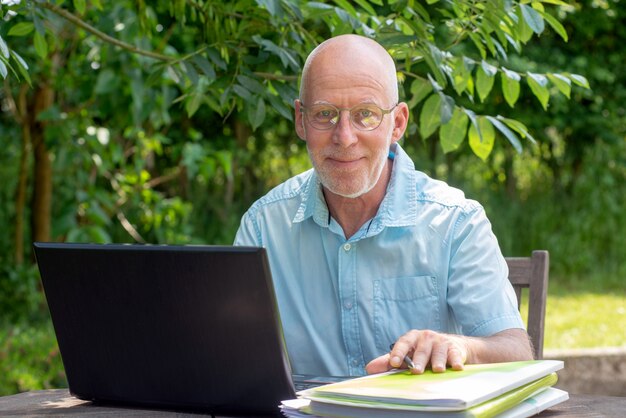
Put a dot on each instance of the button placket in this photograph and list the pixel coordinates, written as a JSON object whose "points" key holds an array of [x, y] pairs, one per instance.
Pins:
{"points": [[349, 312]]}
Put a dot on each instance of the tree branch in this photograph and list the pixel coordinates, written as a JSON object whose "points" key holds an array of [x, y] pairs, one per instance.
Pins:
{"points": [[86, 26], [270, 76]]}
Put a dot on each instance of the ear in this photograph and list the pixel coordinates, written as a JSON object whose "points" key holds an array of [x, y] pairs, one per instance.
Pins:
{"points": [[400, 121], [299, 121]]}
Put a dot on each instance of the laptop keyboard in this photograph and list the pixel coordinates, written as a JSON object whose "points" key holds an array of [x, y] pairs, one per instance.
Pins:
{"points": [[303, 382]]}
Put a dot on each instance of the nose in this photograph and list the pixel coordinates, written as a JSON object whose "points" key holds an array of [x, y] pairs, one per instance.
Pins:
{"points": [[344, 133]]}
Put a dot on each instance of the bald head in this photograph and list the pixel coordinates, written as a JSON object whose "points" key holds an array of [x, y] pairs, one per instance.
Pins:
{"points": [[351, 56]]}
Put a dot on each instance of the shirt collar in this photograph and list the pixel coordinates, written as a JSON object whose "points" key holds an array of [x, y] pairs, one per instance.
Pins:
{"points": [[398, 208], [313, 203]]}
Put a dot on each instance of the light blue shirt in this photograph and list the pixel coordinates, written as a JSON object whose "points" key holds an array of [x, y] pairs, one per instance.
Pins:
{"points": [[427, 260]]}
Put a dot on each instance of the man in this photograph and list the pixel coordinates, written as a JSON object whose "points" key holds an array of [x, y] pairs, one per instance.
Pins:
{"points": [[364, 250]]}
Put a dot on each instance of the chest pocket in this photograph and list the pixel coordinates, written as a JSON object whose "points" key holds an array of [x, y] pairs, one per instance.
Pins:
{"points": [[403, 304]]}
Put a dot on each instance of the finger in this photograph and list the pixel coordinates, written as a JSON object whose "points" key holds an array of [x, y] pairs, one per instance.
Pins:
{"points": [[456, 357], [378, 365], [439, 355], [423, 351], [402, 348]]}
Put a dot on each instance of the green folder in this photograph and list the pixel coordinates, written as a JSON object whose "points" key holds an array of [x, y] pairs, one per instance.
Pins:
{"points": [[495, 386]]}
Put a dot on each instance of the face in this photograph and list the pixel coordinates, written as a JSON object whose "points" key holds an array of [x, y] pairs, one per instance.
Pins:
{"points": [[348, 161]]}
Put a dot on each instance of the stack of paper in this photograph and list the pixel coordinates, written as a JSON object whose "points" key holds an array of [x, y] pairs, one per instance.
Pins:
{"points": [[515, 389]]}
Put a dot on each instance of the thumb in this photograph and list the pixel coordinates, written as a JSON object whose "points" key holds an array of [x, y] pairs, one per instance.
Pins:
{"points": [[378, 365]]}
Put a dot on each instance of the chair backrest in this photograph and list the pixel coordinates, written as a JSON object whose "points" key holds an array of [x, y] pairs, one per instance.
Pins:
{"points": [[532, 273]]}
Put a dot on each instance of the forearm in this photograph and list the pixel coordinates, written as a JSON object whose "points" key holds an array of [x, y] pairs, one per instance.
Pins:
{"points": [[507, 345]]}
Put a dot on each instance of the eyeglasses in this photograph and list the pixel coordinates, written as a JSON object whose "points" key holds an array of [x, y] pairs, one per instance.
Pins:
{"points": [[364, 116]]}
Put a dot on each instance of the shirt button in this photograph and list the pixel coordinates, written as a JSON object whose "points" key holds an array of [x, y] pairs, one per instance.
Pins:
{"points": [[355, 362], [347, 246], [347, 304]]}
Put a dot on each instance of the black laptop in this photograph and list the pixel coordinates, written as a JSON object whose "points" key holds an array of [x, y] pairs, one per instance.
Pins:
{"points": [[168, 326]]}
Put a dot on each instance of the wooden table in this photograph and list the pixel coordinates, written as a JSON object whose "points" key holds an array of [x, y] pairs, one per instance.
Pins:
{"points": [[58, 402]]}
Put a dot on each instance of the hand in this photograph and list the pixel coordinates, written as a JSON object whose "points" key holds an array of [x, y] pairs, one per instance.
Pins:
{"points": [[425, 348]]}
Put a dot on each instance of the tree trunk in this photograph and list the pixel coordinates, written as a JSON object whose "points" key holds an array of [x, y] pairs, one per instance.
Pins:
{"points": [[42, 180], [22, 182]]}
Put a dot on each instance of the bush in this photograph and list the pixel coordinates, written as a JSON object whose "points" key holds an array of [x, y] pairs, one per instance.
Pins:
{"points": [[29, 358]]}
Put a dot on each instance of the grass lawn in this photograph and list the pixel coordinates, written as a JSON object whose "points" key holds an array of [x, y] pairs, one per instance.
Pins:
{"points": [[585, 314]]}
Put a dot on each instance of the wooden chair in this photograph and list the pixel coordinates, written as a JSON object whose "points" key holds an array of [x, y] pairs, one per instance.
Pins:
{"points": [[532, 273]]}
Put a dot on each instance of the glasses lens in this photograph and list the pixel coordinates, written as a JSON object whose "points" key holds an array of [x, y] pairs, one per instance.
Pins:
{"points": [[366, 117], [323, 116]]}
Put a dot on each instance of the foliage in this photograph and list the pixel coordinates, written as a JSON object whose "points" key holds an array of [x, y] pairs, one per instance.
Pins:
{"points": [[250, 53], [29, 359]]}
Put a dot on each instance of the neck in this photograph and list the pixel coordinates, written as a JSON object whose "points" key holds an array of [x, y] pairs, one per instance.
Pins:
{"points": [[352, 213]]}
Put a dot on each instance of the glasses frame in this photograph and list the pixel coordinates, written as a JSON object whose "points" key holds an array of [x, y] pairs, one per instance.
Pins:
{"points": [[304, 110]]}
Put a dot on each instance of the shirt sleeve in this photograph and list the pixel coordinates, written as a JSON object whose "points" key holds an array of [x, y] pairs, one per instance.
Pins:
{"points": [[247, 234], [480, 295]]}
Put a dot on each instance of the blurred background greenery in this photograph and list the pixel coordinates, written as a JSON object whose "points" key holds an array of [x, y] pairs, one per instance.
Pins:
{"points": [[108, 145]]}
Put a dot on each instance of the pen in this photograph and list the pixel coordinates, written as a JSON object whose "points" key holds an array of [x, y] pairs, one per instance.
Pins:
{"points": [[407, 359]]}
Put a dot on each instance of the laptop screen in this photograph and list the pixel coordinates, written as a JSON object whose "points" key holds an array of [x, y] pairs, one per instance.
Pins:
{"points": [[168, 326]]}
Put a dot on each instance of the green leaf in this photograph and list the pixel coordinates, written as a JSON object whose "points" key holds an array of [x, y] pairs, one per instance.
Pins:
{"points": [[279, 106], [532, 18], [489, 69], [460, 76], [242, 92], [285, 56], [21, 29], [205, 66], [518, 127], [524, 31], [556, 25], [98, 235], [561, 82], [579, 80], [420, 88], [452, 134], [430, 118], [4, 49], [538, 85], [251, 84], [474, 119], [171, 71], [105, 83], [478, 44], [191, 72], [22, 66], [510, 86], [196, 97], [3, 69], [97, 4], [484, 83], [365, 5], [215, 58], [345, 5], [510, 135], [192, 103], [447, 107], [272, 6], [80, 6], [256, 115], [41, 46], [51, 113], [481, 142]]}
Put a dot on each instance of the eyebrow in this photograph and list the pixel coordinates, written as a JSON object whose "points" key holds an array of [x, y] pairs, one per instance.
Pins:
{"points": [[366, 101]]}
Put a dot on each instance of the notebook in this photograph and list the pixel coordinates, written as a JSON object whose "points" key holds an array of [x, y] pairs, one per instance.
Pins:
{"points": [[168, 326]]}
